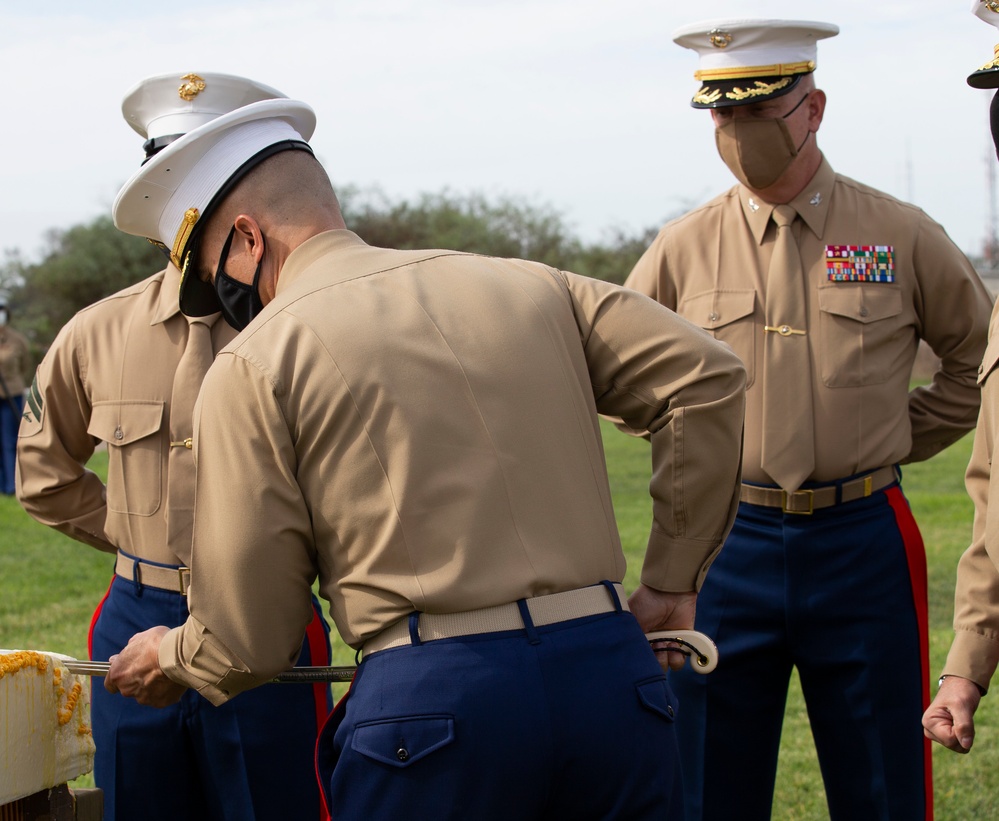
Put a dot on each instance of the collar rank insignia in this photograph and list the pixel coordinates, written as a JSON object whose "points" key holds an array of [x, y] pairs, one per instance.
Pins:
{"points": [[860, 263]]}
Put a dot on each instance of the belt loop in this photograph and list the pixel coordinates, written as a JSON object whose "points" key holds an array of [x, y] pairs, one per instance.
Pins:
{"points": [[614, 596], [137, 577], [525, 614], [414, 629]]}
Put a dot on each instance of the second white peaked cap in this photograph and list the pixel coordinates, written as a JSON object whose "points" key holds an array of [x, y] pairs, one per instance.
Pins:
{"points": [[172, 194], [748, 60], [163, 107], [177, 103]]}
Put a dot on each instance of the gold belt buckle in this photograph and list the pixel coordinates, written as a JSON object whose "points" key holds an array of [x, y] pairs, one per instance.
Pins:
{"points": [[809, 494], [180, 576]]}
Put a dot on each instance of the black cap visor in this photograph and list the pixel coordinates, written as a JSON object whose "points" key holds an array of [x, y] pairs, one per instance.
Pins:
{"points": [[986, 77]]}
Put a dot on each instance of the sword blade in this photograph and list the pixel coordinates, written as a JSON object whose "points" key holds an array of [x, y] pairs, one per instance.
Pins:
{"points": [[296, 675]]}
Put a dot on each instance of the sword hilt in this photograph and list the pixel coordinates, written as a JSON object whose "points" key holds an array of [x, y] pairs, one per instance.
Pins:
{"points": [[699, 648]]}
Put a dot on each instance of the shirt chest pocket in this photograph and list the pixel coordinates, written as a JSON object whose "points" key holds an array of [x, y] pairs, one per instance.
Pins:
{"points": [[135, 453], [864, 337], [729, 317]]}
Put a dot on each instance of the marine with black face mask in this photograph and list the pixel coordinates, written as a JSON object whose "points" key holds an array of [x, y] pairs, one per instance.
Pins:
{"points": [[824, 287]]}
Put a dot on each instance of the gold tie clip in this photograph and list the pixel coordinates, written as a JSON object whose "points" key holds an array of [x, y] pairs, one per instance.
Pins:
{"points": [[184, 443], [783, 330]]}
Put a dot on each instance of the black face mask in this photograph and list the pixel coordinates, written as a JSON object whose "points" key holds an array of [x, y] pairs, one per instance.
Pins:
{"points": [[240, 302]]}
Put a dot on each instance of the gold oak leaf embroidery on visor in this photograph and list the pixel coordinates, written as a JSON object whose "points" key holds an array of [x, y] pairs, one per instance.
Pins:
{"points": [[760, 88], [707, 96]]}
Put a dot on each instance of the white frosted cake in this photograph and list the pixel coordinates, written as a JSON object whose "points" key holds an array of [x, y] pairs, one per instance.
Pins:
{"points": [[45, 737]]}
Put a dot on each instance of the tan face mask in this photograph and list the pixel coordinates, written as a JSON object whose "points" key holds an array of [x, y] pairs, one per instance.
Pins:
{"points": [[758, 151]]}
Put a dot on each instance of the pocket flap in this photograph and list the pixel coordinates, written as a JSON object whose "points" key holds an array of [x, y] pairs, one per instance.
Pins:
{"points": [[715, 309], [121, 423], [401, 741], [657, 697], [861, 303]]}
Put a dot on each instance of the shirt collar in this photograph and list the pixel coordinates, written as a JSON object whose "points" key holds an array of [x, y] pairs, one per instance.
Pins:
{"points": [[168, 302], [812, 204], [339, 240]]}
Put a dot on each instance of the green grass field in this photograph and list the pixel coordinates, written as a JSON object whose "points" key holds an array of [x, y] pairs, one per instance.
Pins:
{"points": [[52, 584]]}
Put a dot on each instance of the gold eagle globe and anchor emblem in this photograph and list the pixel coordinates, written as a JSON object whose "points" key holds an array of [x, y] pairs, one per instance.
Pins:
{"points": [[721, 39], [192, 87]]}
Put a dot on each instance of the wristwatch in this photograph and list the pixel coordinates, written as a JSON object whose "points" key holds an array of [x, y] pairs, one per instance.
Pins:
{"points": [[981, 690]]}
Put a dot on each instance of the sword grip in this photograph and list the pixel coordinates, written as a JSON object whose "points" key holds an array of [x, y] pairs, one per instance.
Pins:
{"points": [[701, 649]]}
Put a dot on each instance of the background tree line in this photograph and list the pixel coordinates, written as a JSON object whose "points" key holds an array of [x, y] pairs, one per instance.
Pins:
{"points": [[87, 262]]}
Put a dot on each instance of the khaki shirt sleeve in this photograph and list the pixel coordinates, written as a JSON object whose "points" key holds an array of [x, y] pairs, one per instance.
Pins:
{"points": [[251, 529], [650, 276], [660, 374], [974, 653], [53, 448], [955, 316]]}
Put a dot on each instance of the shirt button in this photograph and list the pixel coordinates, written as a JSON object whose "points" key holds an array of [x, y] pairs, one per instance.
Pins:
{"points": [[712, 317], [118, 434], [863, 311], [402, 754]]}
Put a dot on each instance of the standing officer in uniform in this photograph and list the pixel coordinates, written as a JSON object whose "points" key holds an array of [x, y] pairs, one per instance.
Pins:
{"points": [[126, 372], [824, 287], [13, 367], [419, 430], [974, 655]]}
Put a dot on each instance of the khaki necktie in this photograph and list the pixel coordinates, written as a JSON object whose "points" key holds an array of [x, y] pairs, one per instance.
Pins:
{"points": [[788, 424], [191, 369]]}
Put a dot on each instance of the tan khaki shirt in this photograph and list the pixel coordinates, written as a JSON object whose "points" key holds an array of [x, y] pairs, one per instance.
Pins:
{"points": [[108, 378], [711, 267], [419, 429], [975, 651], [13, 362]]}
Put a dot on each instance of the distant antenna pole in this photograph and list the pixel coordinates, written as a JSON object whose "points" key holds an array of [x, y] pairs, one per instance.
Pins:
{"points": [[991, 240], [910, 194]]}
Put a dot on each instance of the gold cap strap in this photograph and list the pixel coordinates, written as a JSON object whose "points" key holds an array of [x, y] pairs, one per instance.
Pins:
{"points": [[183, 235], [749, 72]]}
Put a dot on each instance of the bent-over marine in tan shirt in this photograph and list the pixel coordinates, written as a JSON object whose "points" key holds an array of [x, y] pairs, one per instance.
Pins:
{"points": [[419, 429]]}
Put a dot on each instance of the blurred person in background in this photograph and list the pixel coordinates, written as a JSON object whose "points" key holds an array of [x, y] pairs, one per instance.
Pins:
{"points": [[14, 366]]}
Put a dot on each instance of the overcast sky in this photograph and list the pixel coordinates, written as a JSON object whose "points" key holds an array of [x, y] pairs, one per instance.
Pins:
{"points": [[581, 105]]}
